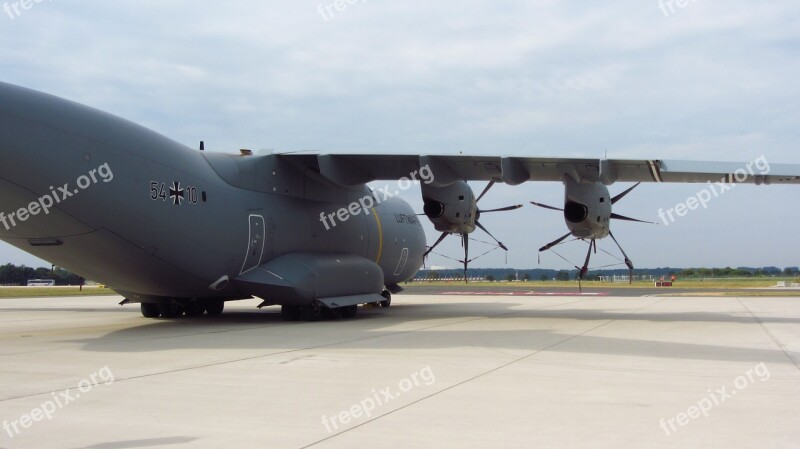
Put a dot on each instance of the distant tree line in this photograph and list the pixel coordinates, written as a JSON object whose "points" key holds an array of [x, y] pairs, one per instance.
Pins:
{"points": [[738, 272], [538, 274], [20, 275]]}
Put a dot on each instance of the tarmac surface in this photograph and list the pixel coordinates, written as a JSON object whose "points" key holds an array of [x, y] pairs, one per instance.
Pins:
{"points": [[430, 371]]}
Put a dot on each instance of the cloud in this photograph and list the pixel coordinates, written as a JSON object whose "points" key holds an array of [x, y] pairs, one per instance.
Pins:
{"points": [[710, 81]]}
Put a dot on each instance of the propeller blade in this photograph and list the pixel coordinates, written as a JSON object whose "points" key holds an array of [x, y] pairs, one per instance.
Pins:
{"points": [[554, 242], [622, 195], [488, 186], [546, 206], [627, 261], [622, 217], [441, 237], [465, 242], [585, 268], [502, 209], [499, 243]]}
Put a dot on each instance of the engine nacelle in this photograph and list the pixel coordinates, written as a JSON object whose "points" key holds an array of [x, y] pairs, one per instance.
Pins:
{"points": [[587, 209], [451, 208]]}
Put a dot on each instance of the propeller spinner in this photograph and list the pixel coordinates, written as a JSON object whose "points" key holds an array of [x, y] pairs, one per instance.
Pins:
{"points": [[453, 210], [587, 213]]}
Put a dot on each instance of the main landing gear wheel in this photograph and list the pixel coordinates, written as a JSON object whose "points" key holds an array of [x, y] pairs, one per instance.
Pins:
{"points": [[215, 308], [195, 309], [348, 311], [311, 313], [150, 310], [170, 309], [388, 301], [331, 314], [290, 313]]}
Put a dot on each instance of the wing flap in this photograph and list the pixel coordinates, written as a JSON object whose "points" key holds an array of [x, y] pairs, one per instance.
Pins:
{"points": [[353, 169]]}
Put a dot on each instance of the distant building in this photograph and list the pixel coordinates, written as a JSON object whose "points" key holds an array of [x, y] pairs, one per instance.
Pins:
{"points": [[41, 282]]}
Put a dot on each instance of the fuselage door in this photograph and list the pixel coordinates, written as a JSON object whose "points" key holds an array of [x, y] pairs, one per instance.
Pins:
{"points": [[255, 245], [401, 264]]}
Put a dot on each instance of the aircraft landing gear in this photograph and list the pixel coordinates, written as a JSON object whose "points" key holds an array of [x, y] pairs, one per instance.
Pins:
{"points": [[195, 309], [317, 312], [150, 310], [170, 309], [290, 313], [388, 301], [313, 312], [349, 311], [215, 308]]}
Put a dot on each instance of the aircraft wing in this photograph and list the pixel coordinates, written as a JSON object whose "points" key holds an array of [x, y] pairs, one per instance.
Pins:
{"points": [[354, 169]]}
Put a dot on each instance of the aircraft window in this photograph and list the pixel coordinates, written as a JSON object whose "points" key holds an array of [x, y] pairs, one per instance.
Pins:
{"points": [[598, 219], [204, 196], [602, 199]]}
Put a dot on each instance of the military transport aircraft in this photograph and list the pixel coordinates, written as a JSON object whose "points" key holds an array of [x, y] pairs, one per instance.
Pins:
{"points": [[181, 231]]}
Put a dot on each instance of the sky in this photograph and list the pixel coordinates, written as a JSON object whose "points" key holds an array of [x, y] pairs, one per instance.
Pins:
{"points": [[651, 79]]}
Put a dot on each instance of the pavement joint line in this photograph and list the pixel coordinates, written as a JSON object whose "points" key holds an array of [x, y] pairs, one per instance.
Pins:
{"points": [[486, 373], [775, 340], [221, 331], [244, 359]]}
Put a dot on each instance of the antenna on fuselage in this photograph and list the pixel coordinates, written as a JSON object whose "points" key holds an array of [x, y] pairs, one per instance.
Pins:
{"points": [[202, 146]]}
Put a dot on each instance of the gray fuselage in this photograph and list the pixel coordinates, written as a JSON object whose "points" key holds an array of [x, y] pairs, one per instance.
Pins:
{"points": [[153, 218]]}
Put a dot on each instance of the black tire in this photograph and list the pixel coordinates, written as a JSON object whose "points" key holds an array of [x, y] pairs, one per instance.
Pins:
{"points": [[388, 301], [349, 311], [331, 314], [215, 308], [290, 313], [195, 309], [311, 313], [150, 310], [170, 309]]}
